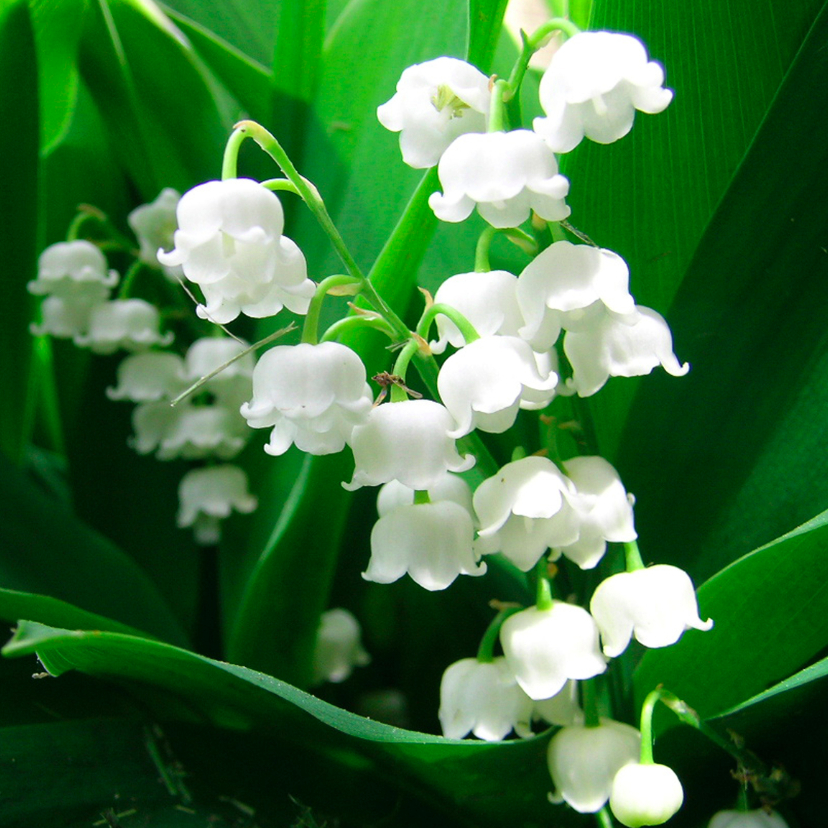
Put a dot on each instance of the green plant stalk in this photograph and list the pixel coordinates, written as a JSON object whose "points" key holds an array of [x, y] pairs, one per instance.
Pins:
{"points": [[531, 44], [485, 652], [589, 698], [310, 329], [481, 253], [465, 327], [633, 556]]}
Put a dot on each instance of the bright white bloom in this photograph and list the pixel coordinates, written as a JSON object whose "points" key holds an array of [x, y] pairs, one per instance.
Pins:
{"points": [[747, 819], [448, 487], [583, 762], [645, 795], [131, 324], [562, 281], [436, 101], [150, 376], [488, 300], [432, 542], [485, 383], [505, 174], [154, 225], [656, 605], [593, 86], [208, 495], [523, 510], [620, 346], [62, 317], [545, 647], [74, 270], [338, 647], [230, 243], [407, 441], [603, 507], [484, 699], [312, 395]]}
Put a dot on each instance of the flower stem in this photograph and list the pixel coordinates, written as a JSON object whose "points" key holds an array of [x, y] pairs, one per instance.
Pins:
{"points": [[647, 726], [589, 699], [543, 594], [633, 556], [411, 347], [463, 325], [497, 108], [481, 253], [485, 652], [604, 818], [421, 496], [230, 161], [362, 320], [311, 327], [280, 184]]}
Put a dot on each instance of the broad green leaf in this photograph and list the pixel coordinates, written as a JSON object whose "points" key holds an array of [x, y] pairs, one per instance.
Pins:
{"points": [[45, 550], [18, 241], [651, 195], [489, 781], [770, 610], [57, 27], [735, 440], [485, 19]]}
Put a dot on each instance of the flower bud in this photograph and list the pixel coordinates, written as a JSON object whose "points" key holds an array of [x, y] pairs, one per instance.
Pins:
{"points": [[645, 795]]}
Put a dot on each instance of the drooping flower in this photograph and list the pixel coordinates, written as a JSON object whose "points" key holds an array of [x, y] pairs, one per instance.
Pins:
{"points": [[603, 509], [312, 395], [645, 795], [562, 281], [73, 271], [407, 441], [656, 605], [593, 86], [233, 385], [545, 647], [583, 762], [562, 709], [154, 225], [505, 174], [747, 819], [611, 345], [131, 324], [435, 102], [229, 241], [485, 383], [148, 377], [524, 509], [208, 495], [488, 300], [432, 542], [64, 318], [483, 698], [338, 648]]}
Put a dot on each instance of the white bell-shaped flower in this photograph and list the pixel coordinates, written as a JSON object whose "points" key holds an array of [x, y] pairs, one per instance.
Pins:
{"points": [[435, 102], [620, 346], [154, 225], [74, 270], [312, 395], [338, 648], [523, 510], [583, 762], [233, 385], [562, 709], [593, 86], [656, 605], [488, 300], [565, 279], [432, 542], [407, 441], [207, 496], [747, 819], [505, 174], [645, 795], [230, 243], [483, 698], [63, 317], [603, 507], [448, 487], [483, 384], [150, 376], [545, 647], [131, 324]]}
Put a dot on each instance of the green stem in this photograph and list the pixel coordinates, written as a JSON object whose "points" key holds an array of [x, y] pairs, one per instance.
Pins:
{"points": [[589, 699], [310, 329], [280, 184], [633, 556], [543, 595], [130, 278], [229, 163], [497, 107], [401, 367], [481, 253], [421, 497], [647, 726], [604, 818], [485, 652], [363, 320], [465, 327]]}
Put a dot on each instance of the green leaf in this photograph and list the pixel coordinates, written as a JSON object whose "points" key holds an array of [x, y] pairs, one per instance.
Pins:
{"points": [[180, 684], [736, 438], [44, 550], [485, 19], [770, 610], [18, 241]]}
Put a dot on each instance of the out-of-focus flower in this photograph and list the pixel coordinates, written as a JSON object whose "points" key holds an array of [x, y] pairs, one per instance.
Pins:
{"points": [[230, 243], [154, 225], [645, 795], [656, 605], [131, 324], [64, 318], [74, 270], [483, 698], [747, 819], [206, 496], [338, 647], [562, 709], [505, 174], [583, 762], [150, 376], [435, 102], [593, 86]]}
